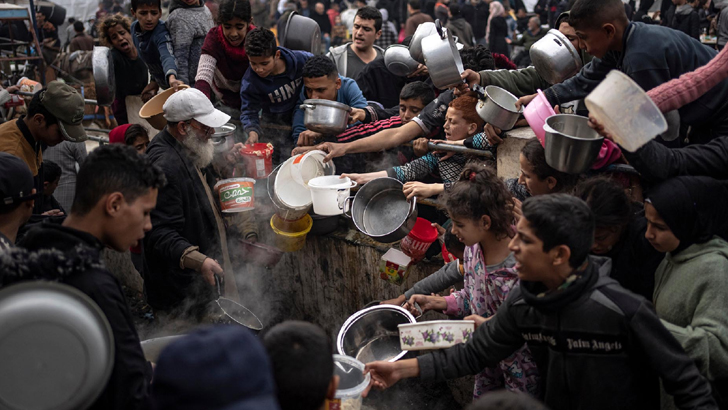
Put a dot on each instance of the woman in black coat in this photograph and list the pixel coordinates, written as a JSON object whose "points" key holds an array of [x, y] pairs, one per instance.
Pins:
{"points": [[497, 29]]}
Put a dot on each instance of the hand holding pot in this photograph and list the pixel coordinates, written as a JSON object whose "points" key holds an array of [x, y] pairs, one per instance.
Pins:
{"points": [[252, 138], [308, 138], [209, 269], [384, 374], [422, 190], [419, 146], [525, 100], [471, 77], [356, 115], [421, 70], [362, 179], [150, 91], [599, 128], [426, 303], [333, 150], [492, 134]]}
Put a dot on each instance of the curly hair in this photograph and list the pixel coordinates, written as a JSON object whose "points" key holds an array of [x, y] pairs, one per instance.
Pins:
{"points": [[480, 192], [230, 9], [320, 66], [260, 42], [466, 105], [477, 58], [111, 21]]}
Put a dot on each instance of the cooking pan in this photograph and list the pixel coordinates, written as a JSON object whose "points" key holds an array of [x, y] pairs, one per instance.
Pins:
{"points": [[234, 310], [442, 58], [381, 210], [103, 69], [301, 33], [415, 48]]}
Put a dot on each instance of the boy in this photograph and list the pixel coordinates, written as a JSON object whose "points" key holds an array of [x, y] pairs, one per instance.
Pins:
{"points": [[116, 191], [154, 44], [597, 346], [271, 83], [51, 178], [649, 54], [16, 198], [303, 365]]}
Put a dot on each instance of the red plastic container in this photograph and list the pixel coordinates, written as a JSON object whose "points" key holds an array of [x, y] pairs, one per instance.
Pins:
{"points": [[258, 159], [420, 238]]}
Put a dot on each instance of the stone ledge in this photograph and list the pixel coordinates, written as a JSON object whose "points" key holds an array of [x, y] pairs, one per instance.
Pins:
{"points": [[509, 151]]}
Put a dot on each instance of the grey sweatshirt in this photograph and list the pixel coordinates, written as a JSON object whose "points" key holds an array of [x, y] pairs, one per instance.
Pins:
{"points": [[445, 277], [188, 28]]}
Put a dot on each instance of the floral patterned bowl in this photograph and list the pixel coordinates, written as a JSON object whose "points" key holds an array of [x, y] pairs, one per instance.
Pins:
{"points": [[435, 334]]}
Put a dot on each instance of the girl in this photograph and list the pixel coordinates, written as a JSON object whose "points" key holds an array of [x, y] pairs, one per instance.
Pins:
{"points": [[537, 177], [133, 135], [480, 207], [683, 215]]}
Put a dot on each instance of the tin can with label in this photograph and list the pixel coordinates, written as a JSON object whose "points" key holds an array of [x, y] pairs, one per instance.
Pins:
{"points": [[235, 194]]}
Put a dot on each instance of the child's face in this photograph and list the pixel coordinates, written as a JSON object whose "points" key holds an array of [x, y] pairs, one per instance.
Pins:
{"points": [[337, 19], [597, 41], [148, 16], [658, 233], [50, 187], [532, 263], [235, 31], [456, 127], [409, 109], [120, 39], [534, 185], [140, 144], [264, 66], [468, 231], [322, 88]]}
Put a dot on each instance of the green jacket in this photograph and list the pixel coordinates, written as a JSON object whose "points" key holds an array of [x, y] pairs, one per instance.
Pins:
{"points": [[518, 82], [528, 39]]}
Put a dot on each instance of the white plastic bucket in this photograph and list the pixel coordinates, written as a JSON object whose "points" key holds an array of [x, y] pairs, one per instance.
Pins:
{"points": [[305, 167], [329, 193]]}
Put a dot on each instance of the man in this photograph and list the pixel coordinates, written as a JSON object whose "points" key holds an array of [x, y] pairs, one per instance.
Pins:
{"points": [[597, 346], [69, 156], [459, 27], [16, 197], [350, 58], [54, 114], [476, 13], [117, 189], [416, 17], [188, 238], [81, 41], [530, 36]]}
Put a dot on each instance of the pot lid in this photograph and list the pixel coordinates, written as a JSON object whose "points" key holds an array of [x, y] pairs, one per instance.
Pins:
{"points": [[224, 131], [327, 103]]}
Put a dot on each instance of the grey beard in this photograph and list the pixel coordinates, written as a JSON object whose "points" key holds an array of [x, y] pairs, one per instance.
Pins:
{"points": [[200, 152]]}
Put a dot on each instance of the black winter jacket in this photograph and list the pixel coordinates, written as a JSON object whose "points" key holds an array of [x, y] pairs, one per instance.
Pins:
{"points": [[74, 258], [597, 346], [183, 218]]}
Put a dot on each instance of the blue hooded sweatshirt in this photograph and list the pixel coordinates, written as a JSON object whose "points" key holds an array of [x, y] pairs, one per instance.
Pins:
{"points": [[155, 49], [348, 94], [274, 94]]}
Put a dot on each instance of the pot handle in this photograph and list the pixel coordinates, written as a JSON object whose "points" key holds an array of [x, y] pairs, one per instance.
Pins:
{"points": [[307, 107], [347, 206], [413, 206], [353, 184], [220, 283], [438, 27]]}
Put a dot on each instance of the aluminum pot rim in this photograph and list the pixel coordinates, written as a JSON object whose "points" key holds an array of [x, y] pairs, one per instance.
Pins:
{"points": [[412, 203], [551, 130], [326, 103], [489, 98], [363, 312]]}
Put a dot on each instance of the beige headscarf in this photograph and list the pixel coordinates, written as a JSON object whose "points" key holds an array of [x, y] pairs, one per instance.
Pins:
{"points": [[496, 10]]}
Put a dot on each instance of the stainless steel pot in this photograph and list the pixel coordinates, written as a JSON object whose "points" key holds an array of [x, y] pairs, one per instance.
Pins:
{"points": [[153, 347], [442, 58], [371, 334], [103, 70], [555, 58], [415, 47], [381, 211], [398, 60], [301, 33], [497, 107], [571, 146], [223, 139], [324, 116]]}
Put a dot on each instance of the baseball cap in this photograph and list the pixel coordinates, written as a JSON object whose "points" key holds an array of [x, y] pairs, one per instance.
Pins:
{"points": [[191, 103], [16, 181], [214, 368], [67, 105]]}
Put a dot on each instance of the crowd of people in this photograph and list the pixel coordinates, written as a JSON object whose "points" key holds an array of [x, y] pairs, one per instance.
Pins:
{"points": [[600, 290]]}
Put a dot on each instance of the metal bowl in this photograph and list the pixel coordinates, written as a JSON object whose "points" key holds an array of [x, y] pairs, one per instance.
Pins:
{"points": [[324, 116], [555, 58], [301, 33], [571, 146], [415, 48], [103, 71], [56, 347], [381, 210], [223, 139], [371, 334], [499, 108], [398, 60]]}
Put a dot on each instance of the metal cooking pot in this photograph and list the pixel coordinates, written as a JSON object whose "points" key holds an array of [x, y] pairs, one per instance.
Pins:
{"points": [[103, 69], [571, 146], [555, 58], [497, 107], [398, 60], [301, 33], [415, 47], [324, 116], [223, 139], [442, 58], [57, 349], [153, 347], [371, 334], [381, 211]]}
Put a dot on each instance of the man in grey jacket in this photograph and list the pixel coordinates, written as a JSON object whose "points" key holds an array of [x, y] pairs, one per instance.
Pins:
{"points": [[597, 345], [350, 58]]}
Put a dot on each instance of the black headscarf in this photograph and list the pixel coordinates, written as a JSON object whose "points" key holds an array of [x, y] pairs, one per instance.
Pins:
{"points": [[693, 207]]}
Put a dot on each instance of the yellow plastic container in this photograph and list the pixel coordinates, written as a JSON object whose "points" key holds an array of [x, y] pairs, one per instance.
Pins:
{"points": [[291, 235]]}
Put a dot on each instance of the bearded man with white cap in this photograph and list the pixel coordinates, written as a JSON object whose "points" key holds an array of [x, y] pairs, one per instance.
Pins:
{"points": [[187, 246]]}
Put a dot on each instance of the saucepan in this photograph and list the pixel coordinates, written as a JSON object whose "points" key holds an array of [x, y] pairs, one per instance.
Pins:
{"points": [[324, 116], [442, 58], [223, 139], [571, 146], [555, 58], [415, 48], [497, 107], [234, 310]]}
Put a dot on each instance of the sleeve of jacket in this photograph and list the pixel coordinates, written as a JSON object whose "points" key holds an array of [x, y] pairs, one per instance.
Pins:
{"points": [[205, 74], [298, 126], [656, 162], [166, 54], [492, 342], [445, 277], [415, 170], [579, 86], [181, 46], [250, 105], [518, 82], [354, 96], [680, 377]]}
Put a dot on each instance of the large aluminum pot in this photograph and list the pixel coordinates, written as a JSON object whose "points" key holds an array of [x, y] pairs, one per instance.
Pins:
{"points": [[103, 70], [56, 347], [324, 116], [398, 60], [415, 47], [223, 139], [371, 334], [442, 58], [555, 58], [153, 347], [571, 145], [381, 211], [497, 107], [301, 33]]}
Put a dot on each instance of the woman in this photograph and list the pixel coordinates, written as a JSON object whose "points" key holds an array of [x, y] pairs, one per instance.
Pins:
{"points": [[497, 29], [684, 214]]}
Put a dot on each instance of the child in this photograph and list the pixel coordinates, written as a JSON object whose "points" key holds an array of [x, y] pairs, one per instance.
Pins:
{"points": [[133, 135], [339, 32], [51, 177], [223, 61], [537, 177], [154, 45], [462, 121], [272, 83], [188, 24], [596, 345], [480, 208]]}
